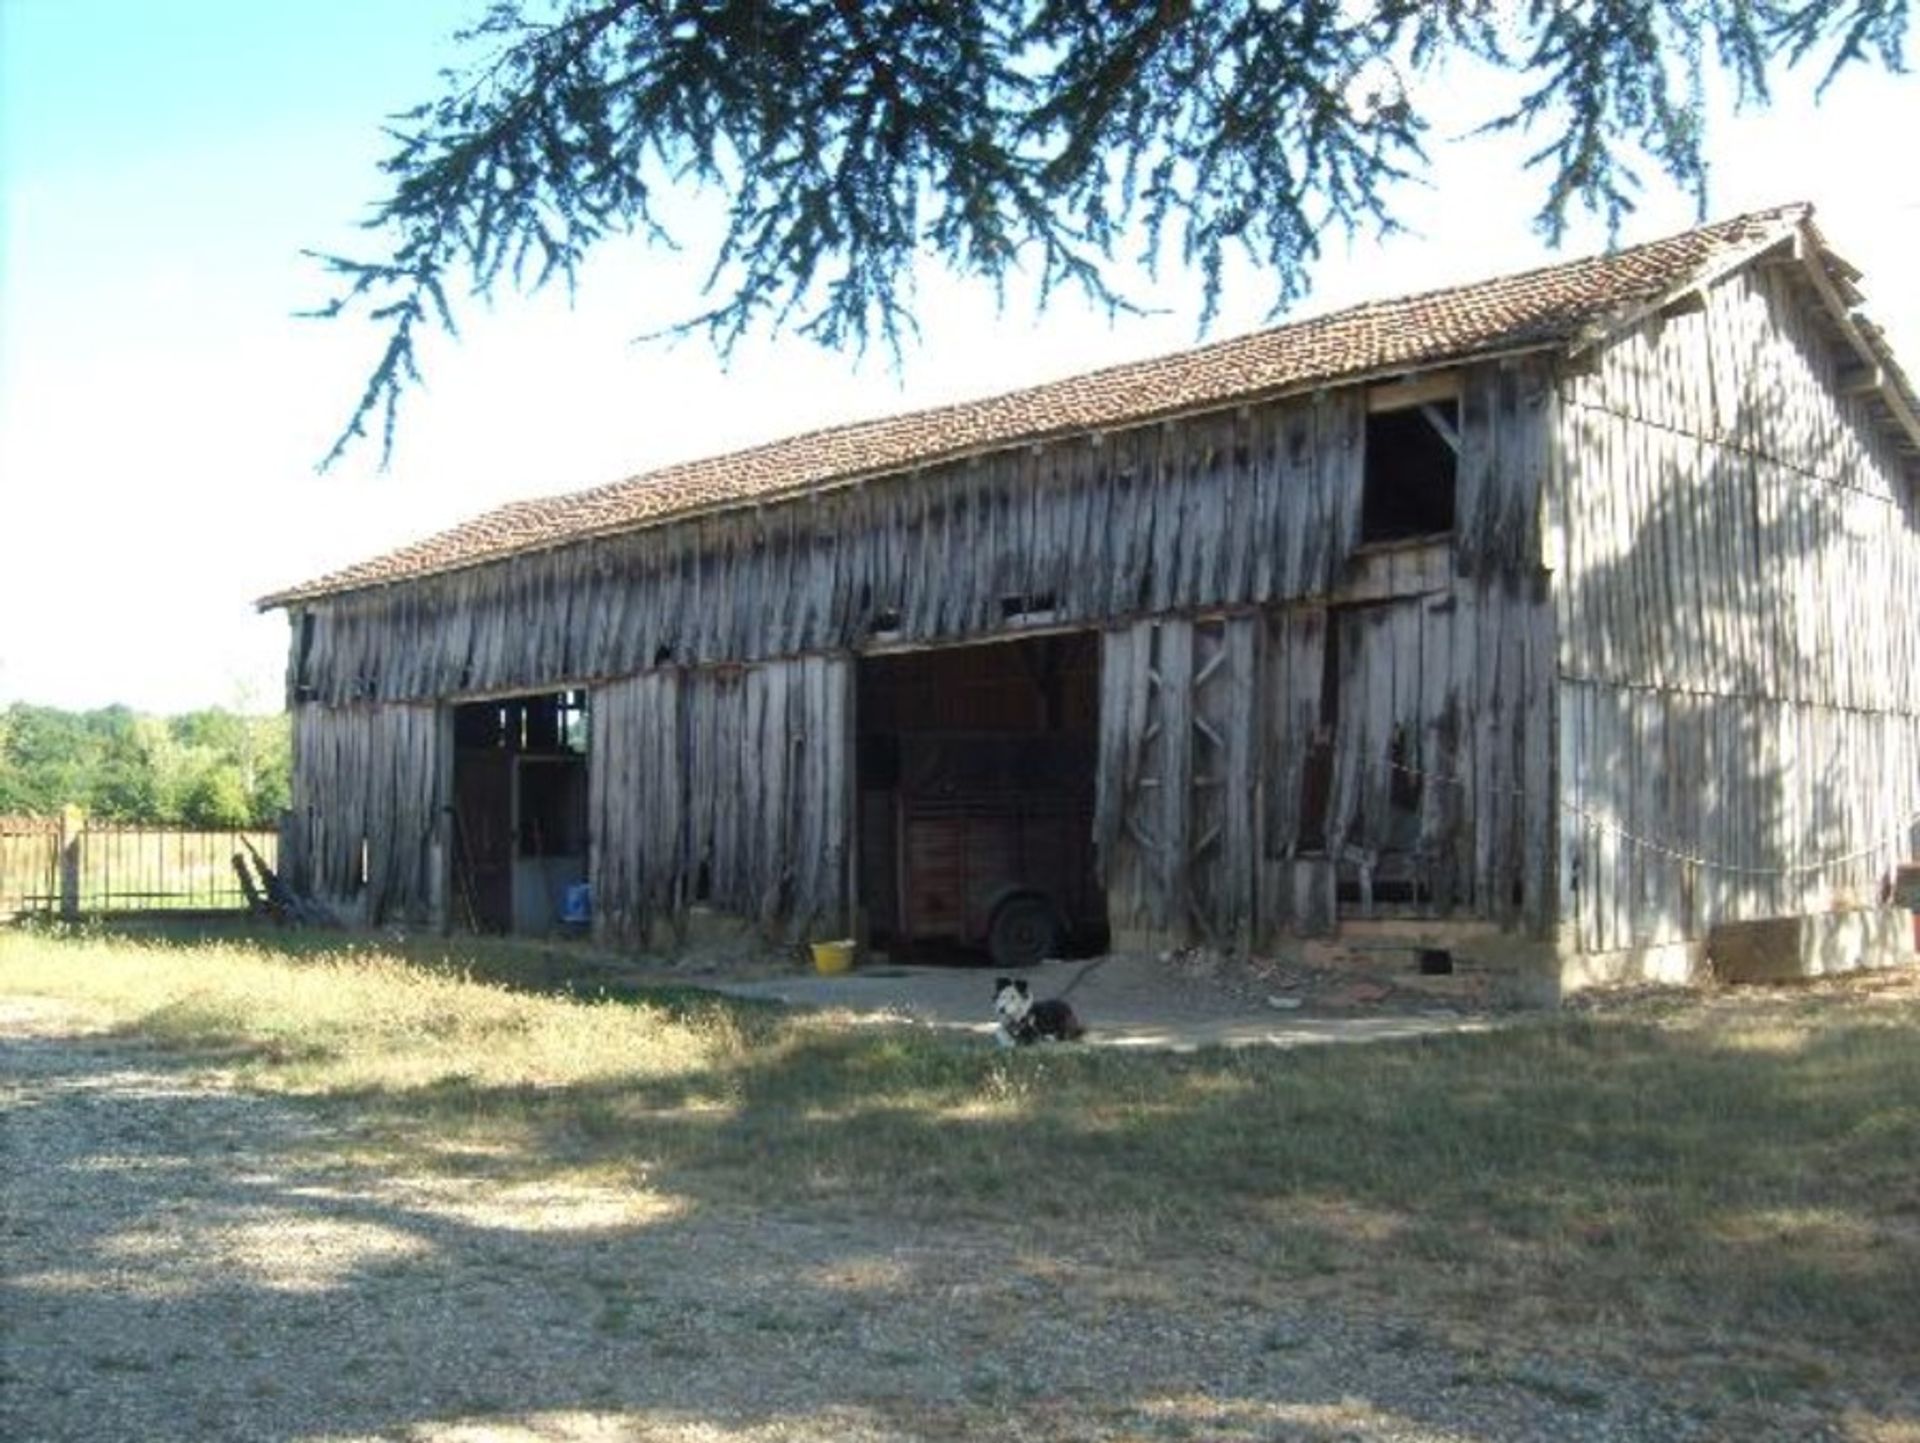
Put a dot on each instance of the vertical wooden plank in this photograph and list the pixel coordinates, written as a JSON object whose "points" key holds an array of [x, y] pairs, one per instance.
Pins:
{"points": [[1438, 755], [1366, 730], [1241, 851], [1291, 665], [1643, 821], [1112, 794], [1174, 664], [843, 856], [1167, 491], [1510, 707], [1474, 475], [763, 755], [781, 748], [1350, 718], [1297, 529], [1340, 455], [1576, 871], [1602, 818], [1239, 507], [1539, 779], [804, 719]]}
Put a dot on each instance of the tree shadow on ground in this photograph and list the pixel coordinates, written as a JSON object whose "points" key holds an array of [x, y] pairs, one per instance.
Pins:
{"points": [[843, 1235]]}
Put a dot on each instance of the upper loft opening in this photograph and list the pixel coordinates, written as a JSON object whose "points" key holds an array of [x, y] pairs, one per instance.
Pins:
{"points": [[1411, 466], [551, 722]]}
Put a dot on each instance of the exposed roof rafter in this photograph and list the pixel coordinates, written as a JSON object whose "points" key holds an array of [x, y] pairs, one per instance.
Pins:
{"points": [[1878, 374]]}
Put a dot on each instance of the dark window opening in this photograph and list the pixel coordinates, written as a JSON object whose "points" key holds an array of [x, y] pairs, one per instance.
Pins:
{"points": [[880, 619], [1411, 470], [1037, 603], [303, 687], [556, 722]]}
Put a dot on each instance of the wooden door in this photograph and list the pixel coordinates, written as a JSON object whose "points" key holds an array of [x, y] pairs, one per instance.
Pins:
{"points": [[483, 840], [1175, 818]]}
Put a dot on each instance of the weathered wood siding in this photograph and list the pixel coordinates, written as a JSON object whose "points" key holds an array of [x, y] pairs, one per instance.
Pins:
{"points": [[1737, 560], [1439, 749], [1443, 749], [360, 833], [1174, 812], [1438, 733], [1218, 553], [725, 785], [1238, 507]]}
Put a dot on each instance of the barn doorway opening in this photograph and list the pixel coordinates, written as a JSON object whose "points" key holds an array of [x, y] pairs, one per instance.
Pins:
{"points": [[976, 770], [519, 860]]}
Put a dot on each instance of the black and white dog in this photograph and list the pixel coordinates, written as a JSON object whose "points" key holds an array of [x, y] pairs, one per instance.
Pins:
{"points": [[1023, 1020]]}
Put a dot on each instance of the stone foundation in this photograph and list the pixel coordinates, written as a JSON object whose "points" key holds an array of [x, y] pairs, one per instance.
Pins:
{"points": [[1785, 949]]}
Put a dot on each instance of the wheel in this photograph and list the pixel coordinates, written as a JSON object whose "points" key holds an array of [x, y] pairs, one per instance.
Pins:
{"points": [[1024, 933]]}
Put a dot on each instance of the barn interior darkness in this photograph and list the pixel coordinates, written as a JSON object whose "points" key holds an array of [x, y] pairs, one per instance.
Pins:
{"points": [[1411, 471], [976, 769], [520, 813]]}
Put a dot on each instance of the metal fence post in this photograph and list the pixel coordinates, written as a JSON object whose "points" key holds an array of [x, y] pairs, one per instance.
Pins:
{"points": [[73, 826]]}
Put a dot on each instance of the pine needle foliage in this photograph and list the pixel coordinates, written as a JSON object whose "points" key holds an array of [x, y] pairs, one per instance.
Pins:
{"points": [[1029, 141]]}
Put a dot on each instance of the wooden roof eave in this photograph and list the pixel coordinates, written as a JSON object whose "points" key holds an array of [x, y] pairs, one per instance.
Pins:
{"points": [[1832, 278], [1827, 272], [1597, 334]]}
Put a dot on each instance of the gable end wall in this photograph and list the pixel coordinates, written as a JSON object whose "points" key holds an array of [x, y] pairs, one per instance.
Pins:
{"points": [[1738, 554]]}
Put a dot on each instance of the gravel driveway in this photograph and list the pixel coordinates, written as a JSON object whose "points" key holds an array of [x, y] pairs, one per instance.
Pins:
{"points": [[185, 1261]]}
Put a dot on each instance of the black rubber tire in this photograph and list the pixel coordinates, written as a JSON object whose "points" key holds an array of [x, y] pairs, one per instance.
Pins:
{"points": [[1025, 932]]}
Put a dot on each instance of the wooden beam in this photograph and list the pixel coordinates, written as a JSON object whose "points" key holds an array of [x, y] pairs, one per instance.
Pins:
{"points": [[1421, 390], [1858, 380], [1689, 302], [1891, 393], [1437, 419]]}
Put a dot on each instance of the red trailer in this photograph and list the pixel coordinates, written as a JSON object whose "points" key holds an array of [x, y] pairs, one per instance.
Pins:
{"points": [[993, 842]]}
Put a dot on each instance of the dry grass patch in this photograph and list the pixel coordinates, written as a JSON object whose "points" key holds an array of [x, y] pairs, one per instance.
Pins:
{"points": [[359, 1021], [1731, 1178]]}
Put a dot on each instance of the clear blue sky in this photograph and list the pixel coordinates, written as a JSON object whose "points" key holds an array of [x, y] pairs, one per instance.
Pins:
{"points": [[164, 162]]}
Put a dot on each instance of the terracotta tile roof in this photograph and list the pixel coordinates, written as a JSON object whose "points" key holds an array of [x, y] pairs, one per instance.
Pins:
{"points": [[1554, 304]]}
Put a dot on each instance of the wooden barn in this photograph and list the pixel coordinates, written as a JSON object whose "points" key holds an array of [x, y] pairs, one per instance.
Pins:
{"points": [[1564, 616]]}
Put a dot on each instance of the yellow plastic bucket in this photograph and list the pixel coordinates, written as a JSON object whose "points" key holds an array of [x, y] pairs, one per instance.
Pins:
{"points": [[832, 958]]}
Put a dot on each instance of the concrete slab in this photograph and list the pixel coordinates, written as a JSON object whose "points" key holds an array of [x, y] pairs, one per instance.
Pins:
{"points": [[1126, 1001]]}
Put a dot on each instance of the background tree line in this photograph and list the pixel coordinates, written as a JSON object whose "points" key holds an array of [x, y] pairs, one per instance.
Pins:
{"points": [[209, 768]]}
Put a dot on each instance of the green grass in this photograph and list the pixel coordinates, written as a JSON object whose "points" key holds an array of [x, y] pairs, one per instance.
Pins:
{"points": [[1742, 1174]]}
